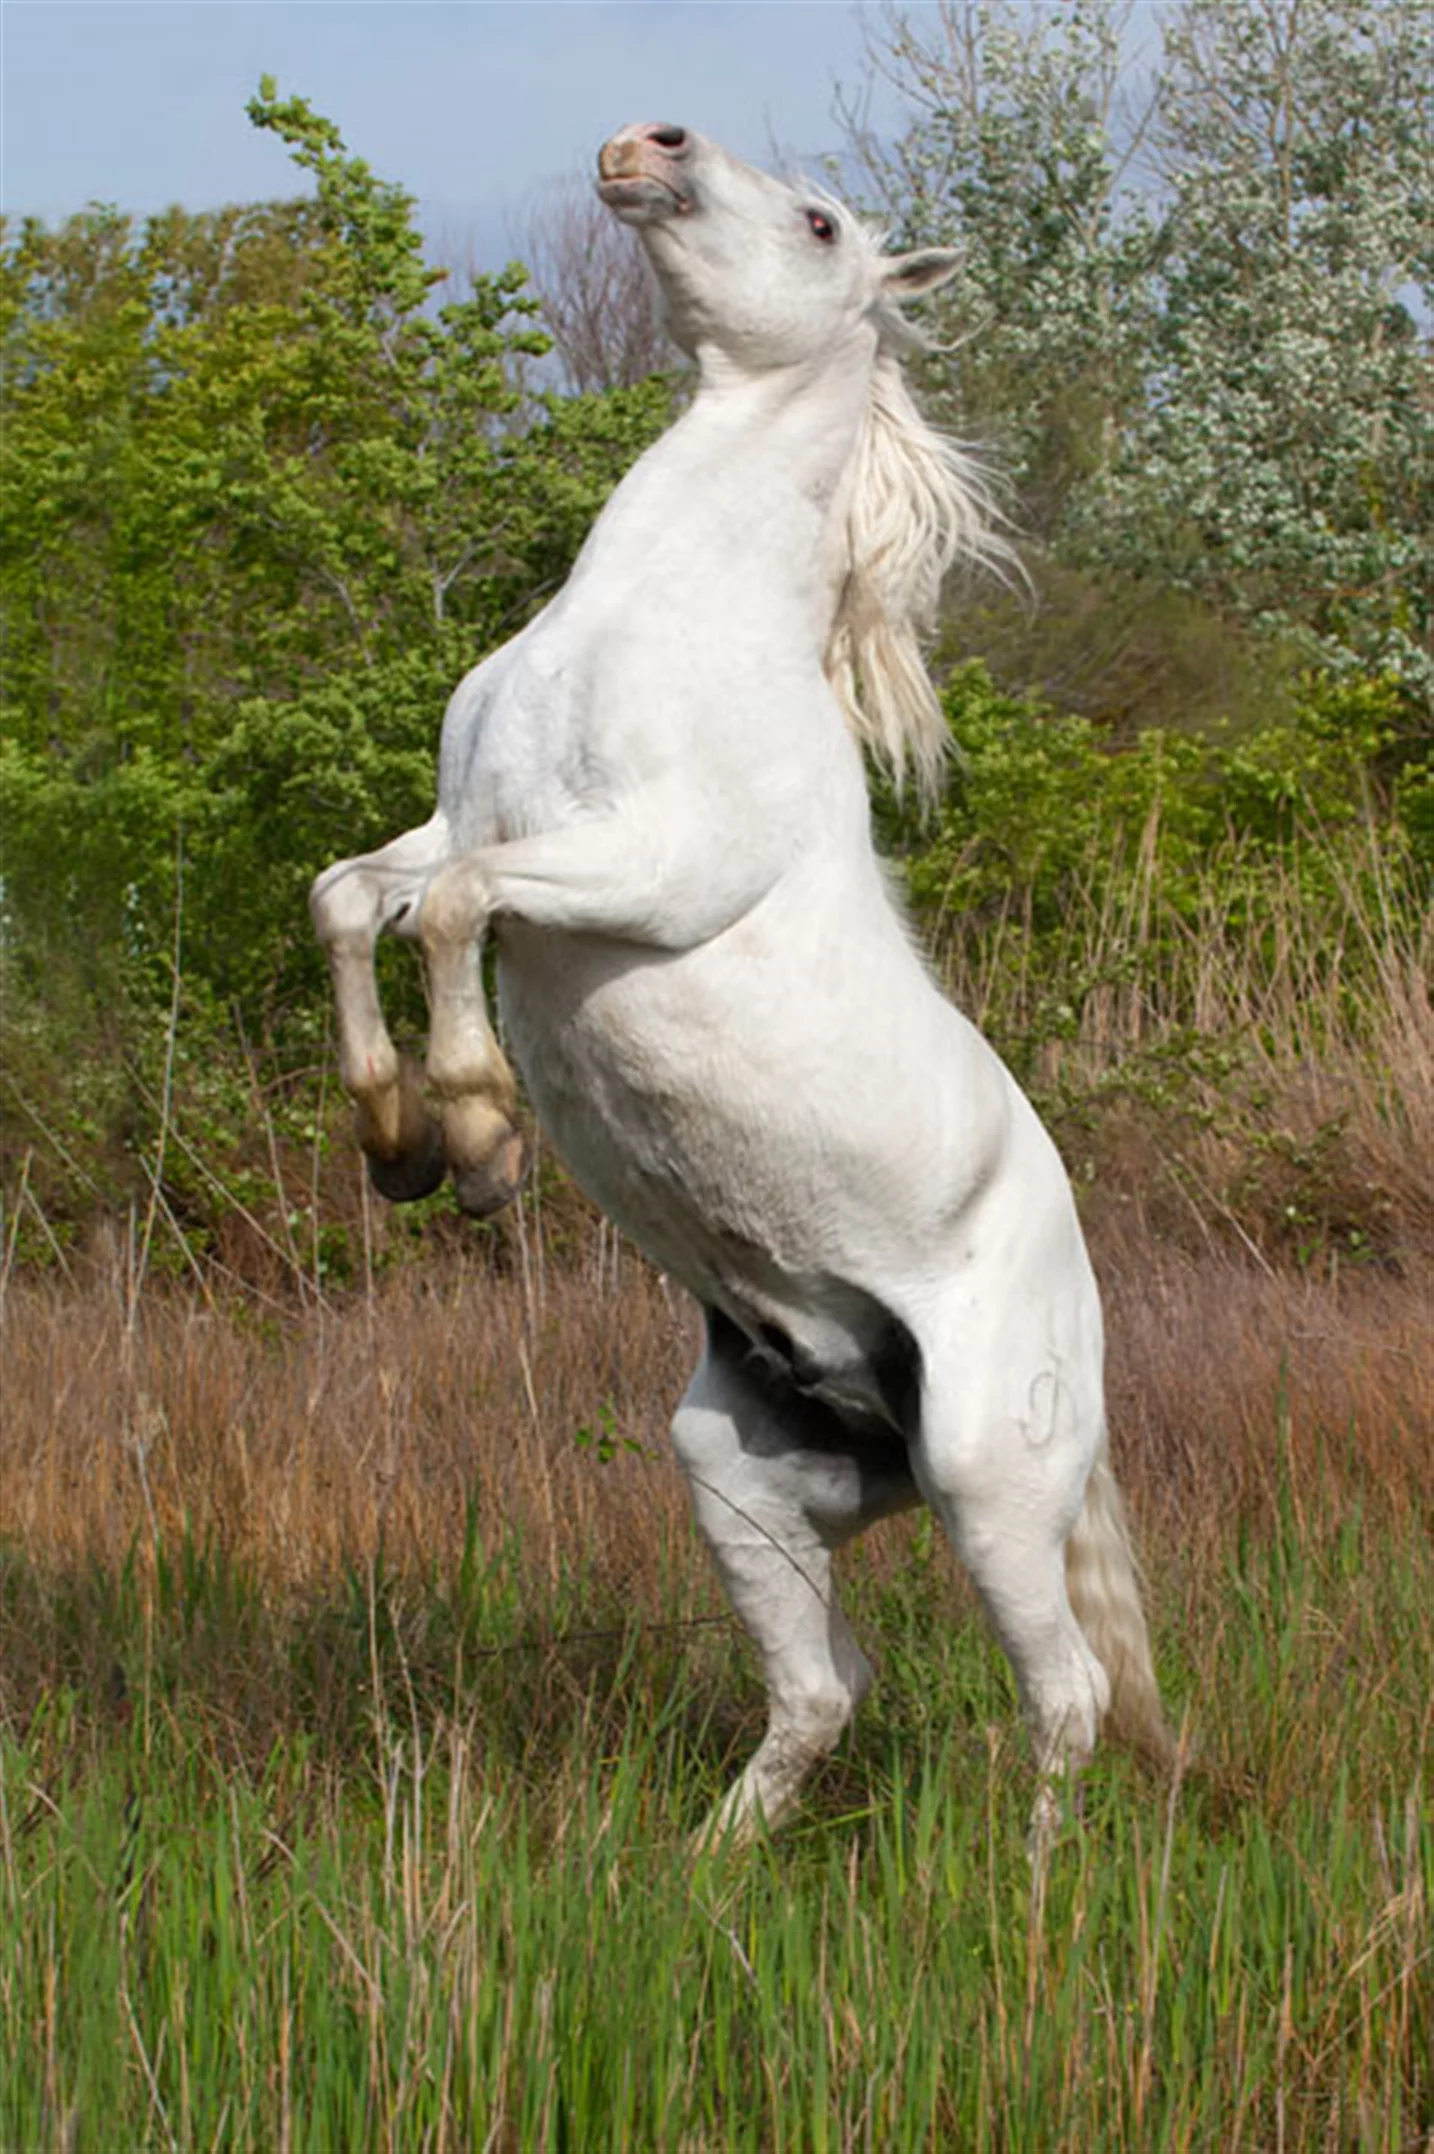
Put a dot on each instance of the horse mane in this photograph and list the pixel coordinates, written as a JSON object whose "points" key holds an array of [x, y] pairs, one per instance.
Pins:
{"points": [[919, 503]]}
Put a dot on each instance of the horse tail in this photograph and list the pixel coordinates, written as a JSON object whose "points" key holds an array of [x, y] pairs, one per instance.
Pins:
{"points": [[1104, 1589]]}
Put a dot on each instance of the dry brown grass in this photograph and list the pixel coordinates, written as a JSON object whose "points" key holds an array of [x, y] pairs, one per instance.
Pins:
{"points": [[301, 1439], [1228, 1381], [1256, 1188]]}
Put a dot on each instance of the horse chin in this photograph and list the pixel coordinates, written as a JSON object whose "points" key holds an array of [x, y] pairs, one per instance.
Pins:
{"points": [[643, 199]]}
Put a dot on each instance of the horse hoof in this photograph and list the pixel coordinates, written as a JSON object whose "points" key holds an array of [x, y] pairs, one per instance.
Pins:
{"points": [[412, 1174], [486, 1187]]}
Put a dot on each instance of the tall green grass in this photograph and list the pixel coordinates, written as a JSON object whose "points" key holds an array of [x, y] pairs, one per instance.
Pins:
{"points": [[466, 1915]]}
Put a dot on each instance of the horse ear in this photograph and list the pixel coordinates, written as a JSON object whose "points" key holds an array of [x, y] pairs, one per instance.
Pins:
{"points": [[910, 276]]}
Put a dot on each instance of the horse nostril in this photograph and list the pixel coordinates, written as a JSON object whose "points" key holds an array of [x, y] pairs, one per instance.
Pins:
{"points": [[669, 138]]}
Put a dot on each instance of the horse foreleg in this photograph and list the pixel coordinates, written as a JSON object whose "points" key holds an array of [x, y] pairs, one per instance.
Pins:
{"points": [[598, 877], [350, 903], [466, 1067]]}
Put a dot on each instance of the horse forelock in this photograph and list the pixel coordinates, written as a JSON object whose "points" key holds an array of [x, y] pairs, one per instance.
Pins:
{"points": [[919, 505]]}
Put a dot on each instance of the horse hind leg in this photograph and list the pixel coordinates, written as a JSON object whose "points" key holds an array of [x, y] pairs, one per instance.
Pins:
{"points": [[466, 1067], [351, 903], [1003, 1458], [777, 1483]]}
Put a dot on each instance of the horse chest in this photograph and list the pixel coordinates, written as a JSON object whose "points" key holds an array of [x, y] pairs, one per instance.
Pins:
{"points": [[654, 1101]]}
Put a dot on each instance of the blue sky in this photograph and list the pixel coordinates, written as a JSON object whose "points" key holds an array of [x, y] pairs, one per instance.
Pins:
{"points": [[470, 107]]}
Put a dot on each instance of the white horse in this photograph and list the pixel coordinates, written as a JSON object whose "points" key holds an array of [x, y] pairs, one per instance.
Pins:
{"points": [[654, 798]]}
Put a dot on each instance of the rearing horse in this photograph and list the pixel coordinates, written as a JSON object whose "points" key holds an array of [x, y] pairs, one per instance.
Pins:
{"points": [[654, 799]]}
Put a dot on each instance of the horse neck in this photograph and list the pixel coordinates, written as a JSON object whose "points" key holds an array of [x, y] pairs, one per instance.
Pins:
{"points": [[750, 481]]}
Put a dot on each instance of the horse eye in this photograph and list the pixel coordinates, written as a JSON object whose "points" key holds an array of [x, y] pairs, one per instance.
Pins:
{"points": [[822, 227]]}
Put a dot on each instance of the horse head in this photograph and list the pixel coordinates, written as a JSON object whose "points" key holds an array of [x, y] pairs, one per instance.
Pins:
{"points": [[769, 275]]}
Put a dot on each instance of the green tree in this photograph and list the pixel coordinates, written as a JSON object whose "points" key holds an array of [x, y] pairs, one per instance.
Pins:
{"points": [[1282, 465], [1193, 309], [260, 487], [270, 484], [1021, 151]]}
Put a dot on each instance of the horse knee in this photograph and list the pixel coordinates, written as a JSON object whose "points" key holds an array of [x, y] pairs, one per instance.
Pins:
{"points": [[342, 905]]}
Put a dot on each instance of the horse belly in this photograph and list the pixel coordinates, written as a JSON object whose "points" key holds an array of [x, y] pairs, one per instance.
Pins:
{"points": [[743, 1142], [647, 1109]]}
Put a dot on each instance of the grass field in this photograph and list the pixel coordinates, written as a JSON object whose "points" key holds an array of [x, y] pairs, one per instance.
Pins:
{"points": [[362, 1682]]}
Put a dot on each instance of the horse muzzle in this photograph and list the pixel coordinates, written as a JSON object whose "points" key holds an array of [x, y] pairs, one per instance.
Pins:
{"points": [[642, 172]]}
